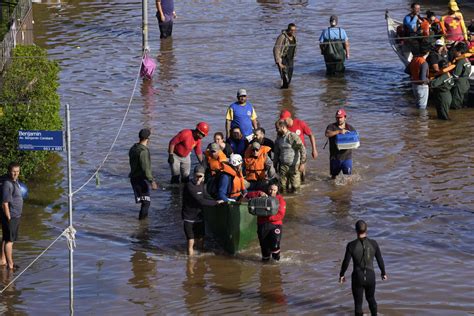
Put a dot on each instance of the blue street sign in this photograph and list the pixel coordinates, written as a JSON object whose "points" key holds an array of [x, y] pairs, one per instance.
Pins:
{"points": [[40, 140]]}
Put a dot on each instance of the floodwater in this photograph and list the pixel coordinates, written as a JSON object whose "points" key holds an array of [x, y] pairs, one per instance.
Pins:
{"points": [[413, 174]]}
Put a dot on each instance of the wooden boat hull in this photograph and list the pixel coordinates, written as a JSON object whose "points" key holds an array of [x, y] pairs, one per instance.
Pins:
{"points": [[231, 225], [403, 52]]}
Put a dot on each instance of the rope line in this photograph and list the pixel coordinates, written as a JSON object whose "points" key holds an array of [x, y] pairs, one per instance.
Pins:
{"points": [[68, 232], [116, 136]]}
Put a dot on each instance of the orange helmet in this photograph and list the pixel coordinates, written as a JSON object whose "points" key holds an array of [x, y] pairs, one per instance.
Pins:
{"points": [[203, 127]]}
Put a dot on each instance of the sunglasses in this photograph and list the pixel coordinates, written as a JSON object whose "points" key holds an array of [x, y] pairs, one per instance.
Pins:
{"points": [[199, 176], [255, 149]]}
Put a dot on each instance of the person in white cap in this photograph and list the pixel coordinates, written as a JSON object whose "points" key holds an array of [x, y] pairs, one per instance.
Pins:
{"points": [[231, 185], [241, 114], [439, 52]]}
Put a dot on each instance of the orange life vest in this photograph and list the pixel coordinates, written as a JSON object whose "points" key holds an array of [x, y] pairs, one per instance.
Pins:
{"points": [[444, 70], [215, 165], [415, 67], [238, 185], [255, 167], [454, 27], [425, 27]]}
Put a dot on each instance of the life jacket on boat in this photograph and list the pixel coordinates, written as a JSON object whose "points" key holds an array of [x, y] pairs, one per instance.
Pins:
{"points": [[425, 27], [238, 184], [444, 70], [454, 27], [415, 67], [215, 165], [465, 55], [255, 167]]}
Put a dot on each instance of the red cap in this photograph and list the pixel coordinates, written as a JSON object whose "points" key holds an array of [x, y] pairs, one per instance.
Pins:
{"points": [[285, 114], [341, 113], [203, 127]]}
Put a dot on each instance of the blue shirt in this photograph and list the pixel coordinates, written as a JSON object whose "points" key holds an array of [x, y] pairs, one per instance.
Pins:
{"points": [[241, 116], [411, 23], [332, 33], [225, 181]]}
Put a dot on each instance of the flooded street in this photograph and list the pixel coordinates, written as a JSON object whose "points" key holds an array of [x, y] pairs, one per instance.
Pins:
{"points": [[413, 183]]}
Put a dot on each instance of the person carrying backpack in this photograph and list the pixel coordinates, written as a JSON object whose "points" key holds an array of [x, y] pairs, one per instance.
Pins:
{"points": [[334, 45]]}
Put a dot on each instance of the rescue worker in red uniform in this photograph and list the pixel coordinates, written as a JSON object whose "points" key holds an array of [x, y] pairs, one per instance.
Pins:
{"points": [[269, 228], [179, 151], [258, 166], [453, 24]]}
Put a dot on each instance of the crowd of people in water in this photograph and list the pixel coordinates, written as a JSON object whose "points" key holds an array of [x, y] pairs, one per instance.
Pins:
{"points": [[442, 51]]}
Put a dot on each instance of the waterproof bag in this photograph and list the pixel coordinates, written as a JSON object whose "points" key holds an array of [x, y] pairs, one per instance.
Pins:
{"points": [[263, 206], [148, 67], [349, 140]]}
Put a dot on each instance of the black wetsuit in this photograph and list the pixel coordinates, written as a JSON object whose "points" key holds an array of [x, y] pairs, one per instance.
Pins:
{"points": [[362, 251]]}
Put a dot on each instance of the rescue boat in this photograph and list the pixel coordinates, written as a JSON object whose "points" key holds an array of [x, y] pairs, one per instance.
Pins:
{"points": [[402, 51], [231, 225]]}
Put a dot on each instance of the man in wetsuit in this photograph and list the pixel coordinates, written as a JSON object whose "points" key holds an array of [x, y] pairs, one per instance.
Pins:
{"points": [[362, 251]]}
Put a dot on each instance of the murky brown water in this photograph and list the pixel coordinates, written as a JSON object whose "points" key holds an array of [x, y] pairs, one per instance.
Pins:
{"points": [[415, 183]]}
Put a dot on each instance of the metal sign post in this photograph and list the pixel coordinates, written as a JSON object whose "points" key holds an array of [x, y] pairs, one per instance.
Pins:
{"points": [[144, 25], [69, 194]]}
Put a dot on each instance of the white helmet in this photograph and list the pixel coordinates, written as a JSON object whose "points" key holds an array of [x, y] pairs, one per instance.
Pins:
{"points": [[235, 160]]}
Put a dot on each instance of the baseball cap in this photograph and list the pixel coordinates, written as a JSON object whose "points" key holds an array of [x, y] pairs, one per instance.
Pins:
{"points": [[215, 147], [285, 114], [439, 42], [341, 113], [242, 92], [256, 145], [199, 170], [144, 133]]}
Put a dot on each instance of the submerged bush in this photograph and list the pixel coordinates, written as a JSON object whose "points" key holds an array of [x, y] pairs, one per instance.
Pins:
{"points": [[29, 101]]}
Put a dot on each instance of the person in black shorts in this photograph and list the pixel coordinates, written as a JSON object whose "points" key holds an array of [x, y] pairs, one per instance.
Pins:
{"points": [[362, 251], [195, 197], [12, 207]]}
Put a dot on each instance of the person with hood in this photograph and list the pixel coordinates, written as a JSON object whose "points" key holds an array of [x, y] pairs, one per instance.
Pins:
{"points": [[334, 45], [195, 197], [140, 175], [362, 251], [284, 53]]}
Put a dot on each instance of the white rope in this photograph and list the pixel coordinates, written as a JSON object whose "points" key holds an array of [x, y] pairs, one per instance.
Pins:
{"points": [[64, 233], [116, 136], [70, 234]]}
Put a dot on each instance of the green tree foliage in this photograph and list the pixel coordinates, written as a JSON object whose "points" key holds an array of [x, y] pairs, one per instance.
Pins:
{"points": [[29, 101]]}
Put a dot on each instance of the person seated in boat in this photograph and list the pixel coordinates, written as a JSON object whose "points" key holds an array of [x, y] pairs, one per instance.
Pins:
{"points": [[441, 87], [412, 28], [453, 23], [269, 228], [215, 157], [237, 141], [260, 138], [219, 139], [231, 184], [418, 70], [470, 46], [195, 197], [258, 166], [461, 75], [435, 30], [439, 52]]}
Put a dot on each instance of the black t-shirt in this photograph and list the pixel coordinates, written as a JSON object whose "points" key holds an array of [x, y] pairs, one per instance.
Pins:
{"points": [[434, 58], [335, 153]]}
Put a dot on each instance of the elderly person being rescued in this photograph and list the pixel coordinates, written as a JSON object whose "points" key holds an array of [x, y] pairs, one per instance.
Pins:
{"points": [[258, 166]]}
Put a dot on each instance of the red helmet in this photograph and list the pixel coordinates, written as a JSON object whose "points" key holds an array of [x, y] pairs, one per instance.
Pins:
{"points": [[203, 127], [341, 113]]}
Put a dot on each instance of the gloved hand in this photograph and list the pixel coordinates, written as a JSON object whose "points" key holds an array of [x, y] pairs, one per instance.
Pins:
{"points": [[170, 159]]}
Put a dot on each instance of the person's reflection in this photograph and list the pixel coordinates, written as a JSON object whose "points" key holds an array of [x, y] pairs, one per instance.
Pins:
{"points": [[286, 101], [230, 276], [273, 299], [166, 63], [341, 202], [11, 297], [144, 270], [194, 286], [149, 93], [335, 91]]}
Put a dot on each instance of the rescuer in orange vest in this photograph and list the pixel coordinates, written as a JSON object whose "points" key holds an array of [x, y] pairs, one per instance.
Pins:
{"points": [[215, 157], [258, 166]]}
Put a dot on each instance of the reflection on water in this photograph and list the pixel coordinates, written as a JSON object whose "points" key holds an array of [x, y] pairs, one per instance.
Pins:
{"points": [[272, 296]]}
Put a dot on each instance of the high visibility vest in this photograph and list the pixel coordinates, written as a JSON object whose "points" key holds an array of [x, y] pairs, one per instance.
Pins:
{"points": [[215, 165], [415, 67], [238, 185], [454, 27], [255, 167]]}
